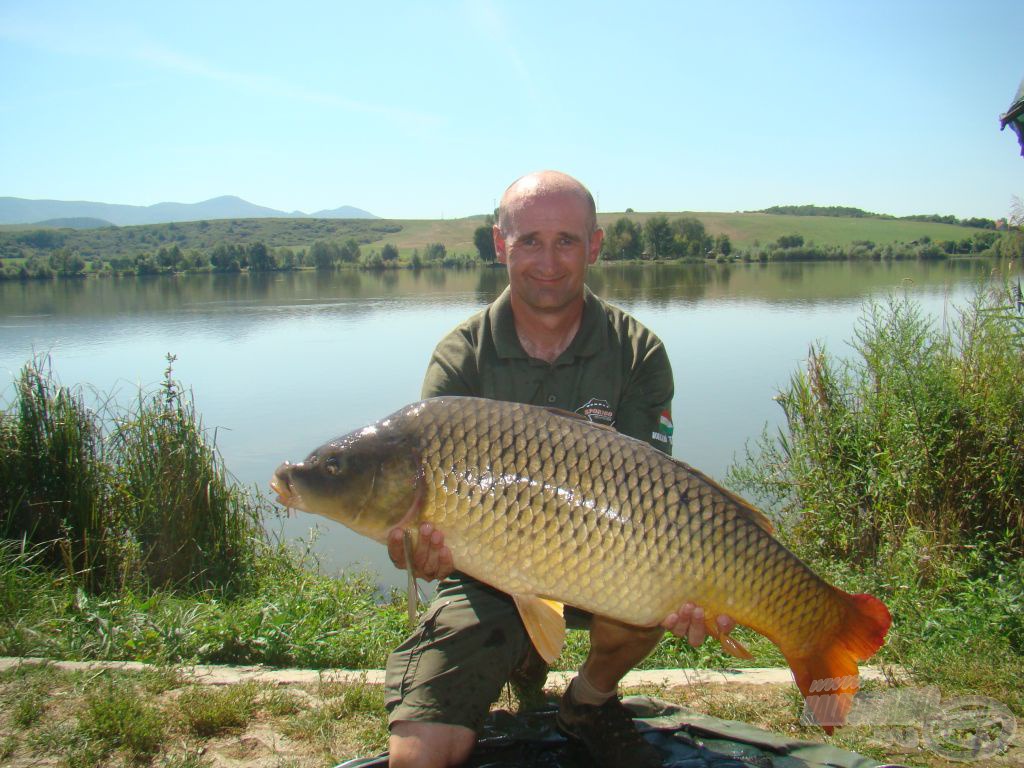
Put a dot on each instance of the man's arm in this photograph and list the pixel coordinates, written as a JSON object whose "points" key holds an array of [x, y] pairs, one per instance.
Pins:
{"points": [[452, 368], [645, 410]]}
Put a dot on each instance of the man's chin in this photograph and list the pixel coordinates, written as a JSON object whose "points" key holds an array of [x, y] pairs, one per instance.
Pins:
{"points": [[549, 297]]}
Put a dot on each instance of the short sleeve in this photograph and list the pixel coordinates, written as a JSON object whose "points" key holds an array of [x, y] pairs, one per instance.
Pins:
{"points": [[452, 369], [645, 411]]}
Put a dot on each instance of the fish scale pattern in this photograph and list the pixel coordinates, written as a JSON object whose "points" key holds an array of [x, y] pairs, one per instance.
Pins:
{"points": [[543, 503]]}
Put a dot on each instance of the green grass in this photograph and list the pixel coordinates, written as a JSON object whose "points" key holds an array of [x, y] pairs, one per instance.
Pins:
{"points": [[287, 615], [118, 717], [111, 718], [348, 718], [208, 711]]}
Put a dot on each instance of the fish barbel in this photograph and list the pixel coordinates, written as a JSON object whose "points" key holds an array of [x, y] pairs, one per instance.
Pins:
{"points": [[554, 510]]}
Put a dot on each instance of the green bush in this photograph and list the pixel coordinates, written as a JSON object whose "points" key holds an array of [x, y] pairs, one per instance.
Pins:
{"points": [[920, 433], [137, 495]]}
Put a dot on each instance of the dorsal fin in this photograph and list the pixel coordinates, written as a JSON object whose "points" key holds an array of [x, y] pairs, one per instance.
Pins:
{"points": [[752, 513]]}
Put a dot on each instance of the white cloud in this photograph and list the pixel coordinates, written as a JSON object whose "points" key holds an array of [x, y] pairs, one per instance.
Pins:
{"points": [[123, 43], [489, 21]]}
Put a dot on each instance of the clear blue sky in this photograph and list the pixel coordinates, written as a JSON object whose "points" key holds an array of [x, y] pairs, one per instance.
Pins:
{"points": [[429, 109]]}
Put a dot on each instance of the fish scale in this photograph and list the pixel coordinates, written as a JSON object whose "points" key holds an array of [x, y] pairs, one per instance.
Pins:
{"points": [[548, 507], [568, 532]]}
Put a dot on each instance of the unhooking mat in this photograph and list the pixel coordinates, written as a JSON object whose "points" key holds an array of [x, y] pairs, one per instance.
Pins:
{"points": [[687, 739]]}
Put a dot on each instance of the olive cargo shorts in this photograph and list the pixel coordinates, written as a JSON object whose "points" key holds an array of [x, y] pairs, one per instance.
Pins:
{"points": [[465, 648]]}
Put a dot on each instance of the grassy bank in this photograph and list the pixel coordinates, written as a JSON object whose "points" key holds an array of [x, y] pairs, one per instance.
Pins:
{"points": [[162, 717]]}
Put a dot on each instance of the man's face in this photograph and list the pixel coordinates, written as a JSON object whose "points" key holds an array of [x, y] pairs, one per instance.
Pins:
{"points": [[548, 250]]}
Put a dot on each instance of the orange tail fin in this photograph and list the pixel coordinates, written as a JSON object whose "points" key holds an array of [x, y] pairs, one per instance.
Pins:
{"points": [[828, 675]]}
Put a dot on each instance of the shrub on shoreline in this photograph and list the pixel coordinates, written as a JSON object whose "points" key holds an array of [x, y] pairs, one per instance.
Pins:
{"points": [[122, 496], [921, 431]]}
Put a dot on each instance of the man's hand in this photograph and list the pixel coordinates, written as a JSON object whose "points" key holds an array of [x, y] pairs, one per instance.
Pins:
{"points": [[431, 559], [688, 622]]}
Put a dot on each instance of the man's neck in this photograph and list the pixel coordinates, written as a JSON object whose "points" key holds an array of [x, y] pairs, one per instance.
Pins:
{"points": [[546, 335]]}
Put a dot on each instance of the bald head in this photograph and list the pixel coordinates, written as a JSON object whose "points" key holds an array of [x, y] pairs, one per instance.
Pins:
{"points": [[533, 188]]}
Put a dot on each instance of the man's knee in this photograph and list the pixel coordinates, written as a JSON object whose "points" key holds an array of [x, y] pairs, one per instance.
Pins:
{"points": [[429, 745], [608, 636]]}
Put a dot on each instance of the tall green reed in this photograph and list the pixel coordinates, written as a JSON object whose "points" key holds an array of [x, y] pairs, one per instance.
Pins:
{"points": [[123, 496], [187, 519], [919, 436], [52, 472]]}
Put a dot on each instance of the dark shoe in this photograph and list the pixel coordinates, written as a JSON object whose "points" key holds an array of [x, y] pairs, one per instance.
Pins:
{"points": [[527, 683], [608, 734]]}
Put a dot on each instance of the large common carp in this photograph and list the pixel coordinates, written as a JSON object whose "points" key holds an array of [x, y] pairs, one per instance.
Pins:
{"points": [[555, 510]]}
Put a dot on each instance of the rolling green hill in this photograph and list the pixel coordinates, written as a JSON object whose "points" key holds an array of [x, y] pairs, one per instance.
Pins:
{"points": [[744, 229]]}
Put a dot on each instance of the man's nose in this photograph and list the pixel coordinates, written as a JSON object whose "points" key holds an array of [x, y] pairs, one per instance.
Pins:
{"points": [[549, 255]]}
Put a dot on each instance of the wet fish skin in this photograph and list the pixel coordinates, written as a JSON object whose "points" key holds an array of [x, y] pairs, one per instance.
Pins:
{"points": [[543, 505]]}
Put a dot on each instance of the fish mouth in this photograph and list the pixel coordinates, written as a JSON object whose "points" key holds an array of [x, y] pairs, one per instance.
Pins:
{"points": [[281, 484]]}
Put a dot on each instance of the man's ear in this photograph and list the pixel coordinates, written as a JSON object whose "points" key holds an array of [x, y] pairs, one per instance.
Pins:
{"points": [[499, 245], [594, 248]]}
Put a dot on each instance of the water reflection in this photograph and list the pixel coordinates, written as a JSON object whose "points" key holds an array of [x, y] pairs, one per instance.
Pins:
{"points": [[659, 284]]}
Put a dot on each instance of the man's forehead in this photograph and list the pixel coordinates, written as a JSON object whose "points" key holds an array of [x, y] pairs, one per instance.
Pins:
{"points": [[545, 208], [532, 194]]}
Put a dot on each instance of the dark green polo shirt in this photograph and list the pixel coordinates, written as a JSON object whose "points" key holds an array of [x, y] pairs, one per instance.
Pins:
{"points": [[615, 371]]}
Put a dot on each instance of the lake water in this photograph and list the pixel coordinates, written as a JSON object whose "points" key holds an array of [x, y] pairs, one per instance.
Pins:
{"points": [[280, 363]]}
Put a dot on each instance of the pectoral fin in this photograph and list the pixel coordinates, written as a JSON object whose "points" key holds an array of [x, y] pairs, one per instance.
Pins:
{"points": [[545, 624], [730, 645]]}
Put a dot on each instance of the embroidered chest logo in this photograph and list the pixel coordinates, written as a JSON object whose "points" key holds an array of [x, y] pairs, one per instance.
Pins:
{"points": [[598, 411], [663, 434]]}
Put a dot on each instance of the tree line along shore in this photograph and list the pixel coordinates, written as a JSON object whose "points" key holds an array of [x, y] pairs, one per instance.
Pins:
{"points": [[793, 233]]}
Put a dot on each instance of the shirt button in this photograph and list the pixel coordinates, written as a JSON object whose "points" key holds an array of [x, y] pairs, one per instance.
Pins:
{"points": [[551, 398]]}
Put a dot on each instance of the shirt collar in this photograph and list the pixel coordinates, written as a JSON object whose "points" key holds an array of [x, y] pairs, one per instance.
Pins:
{"points": [[590, 339]]}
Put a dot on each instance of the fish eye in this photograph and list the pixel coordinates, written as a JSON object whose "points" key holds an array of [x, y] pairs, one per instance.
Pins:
{"points": [[332, 465]]}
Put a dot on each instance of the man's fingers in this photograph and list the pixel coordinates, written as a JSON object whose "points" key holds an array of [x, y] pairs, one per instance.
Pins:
{"points": [[429, 569], [696, 633], [422, 554], [445, 563], [396, 548], [688, 623], [726, 624]]}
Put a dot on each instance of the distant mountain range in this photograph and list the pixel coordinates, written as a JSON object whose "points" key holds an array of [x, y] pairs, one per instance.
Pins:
{"points": [[17, 210]]}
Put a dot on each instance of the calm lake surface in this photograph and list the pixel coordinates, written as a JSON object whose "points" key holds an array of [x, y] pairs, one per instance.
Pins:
{"points": [[280, 363]]}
